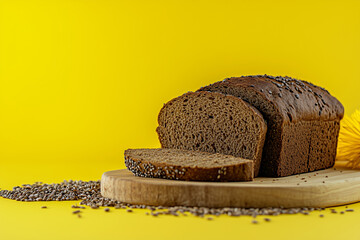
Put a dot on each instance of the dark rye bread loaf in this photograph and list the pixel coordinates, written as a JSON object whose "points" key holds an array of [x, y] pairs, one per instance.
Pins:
{"points": [[188, 165], [303, 121], [215, 123]]}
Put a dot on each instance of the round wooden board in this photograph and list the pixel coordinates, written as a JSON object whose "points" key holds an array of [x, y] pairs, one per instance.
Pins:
{"points": [[323, 188]]}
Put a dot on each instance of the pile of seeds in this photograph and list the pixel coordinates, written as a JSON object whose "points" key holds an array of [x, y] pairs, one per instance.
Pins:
{"points": [[71, 190], [89, 193]]}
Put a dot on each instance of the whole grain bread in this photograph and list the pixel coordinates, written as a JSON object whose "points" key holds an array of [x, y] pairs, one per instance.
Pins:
{"points": [[215, 123], [188, 165], [303, 121]]}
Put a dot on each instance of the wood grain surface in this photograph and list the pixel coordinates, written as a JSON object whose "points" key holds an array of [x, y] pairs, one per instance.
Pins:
{"points": [[322, 188]]}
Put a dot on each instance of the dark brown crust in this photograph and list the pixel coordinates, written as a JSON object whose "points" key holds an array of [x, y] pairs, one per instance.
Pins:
{"points": [[262, 124], [303, 100], [294, 102], [243, 171]]}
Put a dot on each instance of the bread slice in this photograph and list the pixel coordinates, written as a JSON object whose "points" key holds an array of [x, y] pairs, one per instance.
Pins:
{"points": [[188, 165], [215, 123]]}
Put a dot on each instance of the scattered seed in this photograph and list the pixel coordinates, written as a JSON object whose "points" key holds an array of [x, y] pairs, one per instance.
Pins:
{"points": [[107, 209], [321, 215], [44, 207], [342, 212], [254, 222], [129, 210], [75, 206], [210, 218], [76, 212], [349, 210], [79, 215], [267, 219]]}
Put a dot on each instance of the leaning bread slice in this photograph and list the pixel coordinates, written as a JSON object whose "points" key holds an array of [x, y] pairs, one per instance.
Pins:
{"points": [[215, 123], [188, 165]]}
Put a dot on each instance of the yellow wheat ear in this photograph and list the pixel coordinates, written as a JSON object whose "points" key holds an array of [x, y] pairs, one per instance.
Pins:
{"points": [[348, 152]]}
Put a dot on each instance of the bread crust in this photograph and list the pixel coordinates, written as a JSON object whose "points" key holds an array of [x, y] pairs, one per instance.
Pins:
{"points": [[302, 100]]}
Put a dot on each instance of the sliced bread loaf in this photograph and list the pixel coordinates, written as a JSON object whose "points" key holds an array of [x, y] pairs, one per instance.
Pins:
{"points": [[188, 165], [215, 123], [303, 121]]}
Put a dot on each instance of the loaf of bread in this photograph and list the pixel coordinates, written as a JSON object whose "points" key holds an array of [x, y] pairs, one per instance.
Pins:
{"points": [[188, 165], [213, 122], [303, 121]]}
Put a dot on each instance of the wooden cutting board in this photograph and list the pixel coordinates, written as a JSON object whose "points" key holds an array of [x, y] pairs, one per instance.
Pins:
{"points": [[323, 188]]}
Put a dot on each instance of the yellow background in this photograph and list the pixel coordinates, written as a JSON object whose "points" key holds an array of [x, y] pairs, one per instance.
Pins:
{"points": [[82, 80]]}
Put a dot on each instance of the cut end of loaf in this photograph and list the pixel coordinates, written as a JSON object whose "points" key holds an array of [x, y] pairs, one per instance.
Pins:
{"points": [[215, 123], [187, 165]]}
